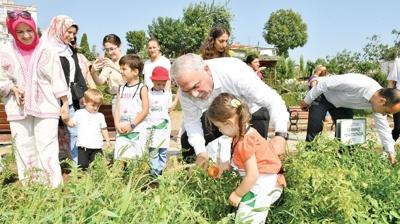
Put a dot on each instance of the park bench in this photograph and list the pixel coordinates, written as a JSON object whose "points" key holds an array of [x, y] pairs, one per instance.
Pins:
{"points": [[299, 119], [5, 132]]}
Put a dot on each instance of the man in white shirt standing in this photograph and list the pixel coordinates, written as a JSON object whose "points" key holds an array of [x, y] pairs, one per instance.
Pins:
{"points": [[156, 59], [394, 78], [201, 81], [342, 93]]}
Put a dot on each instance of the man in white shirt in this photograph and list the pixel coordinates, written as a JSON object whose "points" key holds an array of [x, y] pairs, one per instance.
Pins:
{"points": [[201, 81], [394, 78], [342, 93]]}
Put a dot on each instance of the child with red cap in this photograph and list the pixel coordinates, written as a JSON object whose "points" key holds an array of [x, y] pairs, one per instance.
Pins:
{"points": [[31, 84], [159, 129]]}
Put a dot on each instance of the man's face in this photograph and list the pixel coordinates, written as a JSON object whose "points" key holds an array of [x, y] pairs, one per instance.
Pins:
{"points": [[382, 108], [198, 84]]}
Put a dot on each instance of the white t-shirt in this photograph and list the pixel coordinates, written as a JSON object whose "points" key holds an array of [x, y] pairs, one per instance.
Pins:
{"points": [[89, 127], [158, 119], [150, 65]]}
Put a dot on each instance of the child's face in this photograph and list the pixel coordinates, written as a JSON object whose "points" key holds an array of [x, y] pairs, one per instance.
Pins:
{"points": [[228, 128], [92, 107], [128, 74], [159, 85]]}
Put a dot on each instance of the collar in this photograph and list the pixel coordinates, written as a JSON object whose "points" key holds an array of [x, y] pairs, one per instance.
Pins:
{"points": [[216, 82]]}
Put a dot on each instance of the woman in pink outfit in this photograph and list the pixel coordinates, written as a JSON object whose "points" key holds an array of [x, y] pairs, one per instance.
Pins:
{"points": [[32, 84]]}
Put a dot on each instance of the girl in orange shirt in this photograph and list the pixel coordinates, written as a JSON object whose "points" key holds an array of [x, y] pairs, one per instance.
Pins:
{"points": [[252, 155]]}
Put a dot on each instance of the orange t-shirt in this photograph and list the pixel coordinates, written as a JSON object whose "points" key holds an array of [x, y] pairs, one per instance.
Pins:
{"points": [[268, 161]]}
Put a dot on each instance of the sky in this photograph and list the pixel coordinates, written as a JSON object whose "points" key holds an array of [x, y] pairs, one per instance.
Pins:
{"points": [[332, 26]]}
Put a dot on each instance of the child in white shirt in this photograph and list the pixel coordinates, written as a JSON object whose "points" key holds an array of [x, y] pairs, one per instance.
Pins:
{"points": [[159, 129], [91, 127]]}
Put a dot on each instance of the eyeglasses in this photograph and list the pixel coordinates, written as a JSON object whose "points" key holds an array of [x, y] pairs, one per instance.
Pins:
{"points": [[109, 49], [15, 14]]}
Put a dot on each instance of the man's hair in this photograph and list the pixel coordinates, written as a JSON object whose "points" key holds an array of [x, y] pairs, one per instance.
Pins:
{"points": [[186, 63], [93, 95], [133, 61], [392, 96]]}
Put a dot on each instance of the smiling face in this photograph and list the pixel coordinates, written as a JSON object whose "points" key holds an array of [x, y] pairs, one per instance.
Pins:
{"points": [[69, 35], [129, 75], [112, 51], [25, 33], [198, 84], [221, 42], [255, 64], [153, 50]]}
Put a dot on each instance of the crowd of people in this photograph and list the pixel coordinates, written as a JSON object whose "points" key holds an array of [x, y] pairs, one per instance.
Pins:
{"points": [[50, 96]]}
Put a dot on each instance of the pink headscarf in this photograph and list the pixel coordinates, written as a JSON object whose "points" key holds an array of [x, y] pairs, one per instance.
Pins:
{"points": [[55, 33], [12, 29]]}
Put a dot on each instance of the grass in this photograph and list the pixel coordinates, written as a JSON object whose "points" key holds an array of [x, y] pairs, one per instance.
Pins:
{"points": [[330, 183]]}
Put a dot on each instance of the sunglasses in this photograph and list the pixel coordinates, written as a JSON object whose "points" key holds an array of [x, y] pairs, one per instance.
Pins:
{"points": [[15, 14]]}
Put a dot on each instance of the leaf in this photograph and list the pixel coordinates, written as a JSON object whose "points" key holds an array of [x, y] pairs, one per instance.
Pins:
{"points": [[109, 214]]}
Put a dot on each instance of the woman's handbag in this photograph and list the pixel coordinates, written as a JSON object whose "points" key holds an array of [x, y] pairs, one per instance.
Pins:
{"points": [[77, 90]]}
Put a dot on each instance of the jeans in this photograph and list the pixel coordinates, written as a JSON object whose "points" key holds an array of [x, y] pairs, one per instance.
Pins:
{"points": [[396, 128], [317, 113], [73, 137], [158, 160]]}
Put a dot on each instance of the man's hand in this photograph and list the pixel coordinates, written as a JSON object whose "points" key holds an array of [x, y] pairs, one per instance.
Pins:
{"points": [[392, 158], [202, 160], [279, 144], [304, 106]]}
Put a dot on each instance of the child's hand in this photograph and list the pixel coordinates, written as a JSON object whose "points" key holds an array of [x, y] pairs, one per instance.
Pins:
{"points": [[234, 199]]}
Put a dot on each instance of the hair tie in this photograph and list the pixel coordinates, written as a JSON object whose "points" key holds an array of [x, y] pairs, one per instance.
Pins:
{"points": [[235, 103]]}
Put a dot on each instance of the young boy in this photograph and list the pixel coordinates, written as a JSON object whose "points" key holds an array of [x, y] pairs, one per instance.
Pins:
{"points": [[91, 127], [131, 109], [159, 122]]}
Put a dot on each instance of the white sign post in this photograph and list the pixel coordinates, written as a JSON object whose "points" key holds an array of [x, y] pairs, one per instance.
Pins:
{"points": [[351, 131]]}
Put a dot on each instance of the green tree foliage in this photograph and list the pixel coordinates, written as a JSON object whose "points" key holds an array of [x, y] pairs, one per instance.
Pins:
{"points": [[301, 67], [286, 30], [285, 68], [85, 49], [374, 51], [136, 41], [180, 36], [170, 33]]}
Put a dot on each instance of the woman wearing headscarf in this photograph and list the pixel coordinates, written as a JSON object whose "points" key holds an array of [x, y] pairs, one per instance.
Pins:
{"points": [[61, 32], [31, 84]]}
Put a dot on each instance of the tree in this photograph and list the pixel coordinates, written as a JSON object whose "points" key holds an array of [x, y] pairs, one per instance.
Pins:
{"points": [[85, 49], [374, 51], [136, 41], [180, 36], [301, 67], [286, 30]]}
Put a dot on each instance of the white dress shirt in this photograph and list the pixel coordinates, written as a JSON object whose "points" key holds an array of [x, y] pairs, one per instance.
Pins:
{"points": [[353, 91], [233, 76], [394, 74]]}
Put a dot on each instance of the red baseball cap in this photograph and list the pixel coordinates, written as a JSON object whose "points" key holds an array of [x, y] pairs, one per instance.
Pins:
{"points": [[160, 74]]}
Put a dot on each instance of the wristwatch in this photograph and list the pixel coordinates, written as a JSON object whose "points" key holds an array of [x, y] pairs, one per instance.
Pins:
{"points": [[133, 126], [282, 134]]}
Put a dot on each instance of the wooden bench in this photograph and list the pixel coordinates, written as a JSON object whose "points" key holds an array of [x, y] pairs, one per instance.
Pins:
{"points": [[5, 132], [299, 119]]}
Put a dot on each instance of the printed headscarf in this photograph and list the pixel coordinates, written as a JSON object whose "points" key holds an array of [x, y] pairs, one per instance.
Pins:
{"points": [[12, 29], [54, 34]]}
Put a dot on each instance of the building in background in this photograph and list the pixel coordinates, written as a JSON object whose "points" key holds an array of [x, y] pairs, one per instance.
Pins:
{"points": [[10, 5]]}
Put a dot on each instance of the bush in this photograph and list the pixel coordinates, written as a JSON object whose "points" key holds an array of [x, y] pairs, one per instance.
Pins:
{"points": [[332, 183]]}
